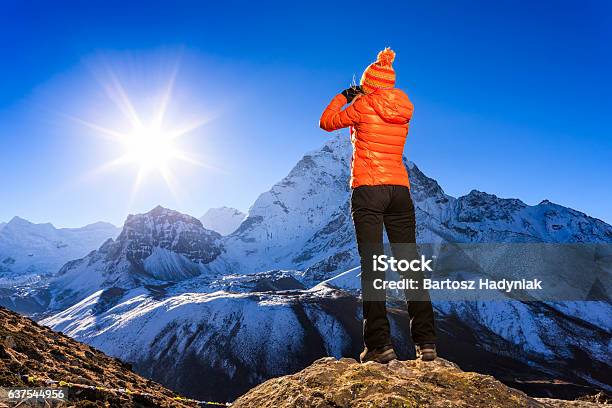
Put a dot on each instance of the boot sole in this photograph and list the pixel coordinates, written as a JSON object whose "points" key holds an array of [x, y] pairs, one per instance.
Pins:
{"points": [[383, 358], [428, 356]]}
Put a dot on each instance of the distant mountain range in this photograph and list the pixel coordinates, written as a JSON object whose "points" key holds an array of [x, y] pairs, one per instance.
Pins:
{"points": [[28, 250], [212, 315]]}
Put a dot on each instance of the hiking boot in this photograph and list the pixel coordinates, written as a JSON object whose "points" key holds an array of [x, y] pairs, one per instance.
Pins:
{"points": [[380, 355], [426, 352]]}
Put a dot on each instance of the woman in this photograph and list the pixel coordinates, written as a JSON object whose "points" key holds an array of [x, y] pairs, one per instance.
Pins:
{"points": [[378, 116]]}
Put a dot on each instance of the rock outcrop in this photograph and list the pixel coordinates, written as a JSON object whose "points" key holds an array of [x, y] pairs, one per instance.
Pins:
{"points": [[31, 355], [331, 383]]}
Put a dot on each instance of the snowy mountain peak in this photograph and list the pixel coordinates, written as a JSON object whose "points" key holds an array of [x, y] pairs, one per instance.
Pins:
{"points": [[17, 220], [478, 206], [223, 220], [18, 223], [421, 186], [160, 212], [170, 230], [481, 199], [155, 248], [282, 219]]}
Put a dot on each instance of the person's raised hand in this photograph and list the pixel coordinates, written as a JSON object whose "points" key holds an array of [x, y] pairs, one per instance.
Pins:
{"points": [[351, 93]]}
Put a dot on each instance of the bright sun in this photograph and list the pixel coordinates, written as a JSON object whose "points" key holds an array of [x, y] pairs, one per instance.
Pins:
{"points": [[150, 147], [150, 144]]}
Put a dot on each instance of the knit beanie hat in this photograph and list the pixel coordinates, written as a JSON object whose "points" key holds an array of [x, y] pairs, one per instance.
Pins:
{"points": [[379, 74]]}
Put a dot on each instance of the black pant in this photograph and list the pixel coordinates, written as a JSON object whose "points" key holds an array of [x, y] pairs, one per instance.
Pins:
{"points": [[391, 206]]}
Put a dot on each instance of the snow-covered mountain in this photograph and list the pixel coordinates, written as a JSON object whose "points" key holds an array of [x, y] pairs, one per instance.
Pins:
{"points": [[223, 220], [303, 222], [29, 250], [215, 315], [153, 250], [283, 219]]}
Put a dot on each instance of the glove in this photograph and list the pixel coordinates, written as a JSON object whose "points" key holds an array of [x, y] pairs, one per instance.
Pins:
{"points": [[351, 93]]}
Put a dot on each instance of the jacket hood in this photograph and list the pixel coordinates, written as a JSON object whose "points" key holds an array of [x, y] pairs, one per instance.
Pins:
{"points": [[392, 105]]}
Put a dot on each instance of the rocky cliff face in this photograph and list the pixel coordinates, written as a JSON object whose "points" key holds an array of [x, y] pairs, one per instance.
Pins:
{"points": [[331, 383], [170, 231]]}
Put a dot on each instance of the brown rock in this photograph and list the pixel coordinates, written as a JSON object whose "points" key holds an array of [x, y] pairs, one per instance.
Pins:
{"points": [[27, 348], [9, 342], [345, 383]]}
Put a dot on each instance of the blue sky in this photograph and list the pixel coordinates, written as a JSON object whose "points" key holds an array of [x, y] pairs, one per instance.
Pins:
{"points": [[512, 98]]}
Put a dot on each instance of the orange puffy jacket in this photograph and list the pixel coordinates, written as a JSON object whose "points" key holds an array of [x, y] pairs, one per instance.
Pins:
{"points": [[378, 124]]}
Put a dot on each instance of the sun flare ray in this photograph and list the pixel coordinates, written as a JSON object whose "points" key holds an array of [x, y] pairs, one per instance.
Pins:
{"points": [[120, 98], [103, 131], [190, 127], [168, 177], [165, 99], [136, 186]]}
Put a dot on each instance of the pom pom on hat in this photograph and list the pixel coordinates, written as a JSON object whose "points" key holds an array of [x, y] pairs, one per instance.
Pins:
{"points": [[379, 74], [386, 57]]}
